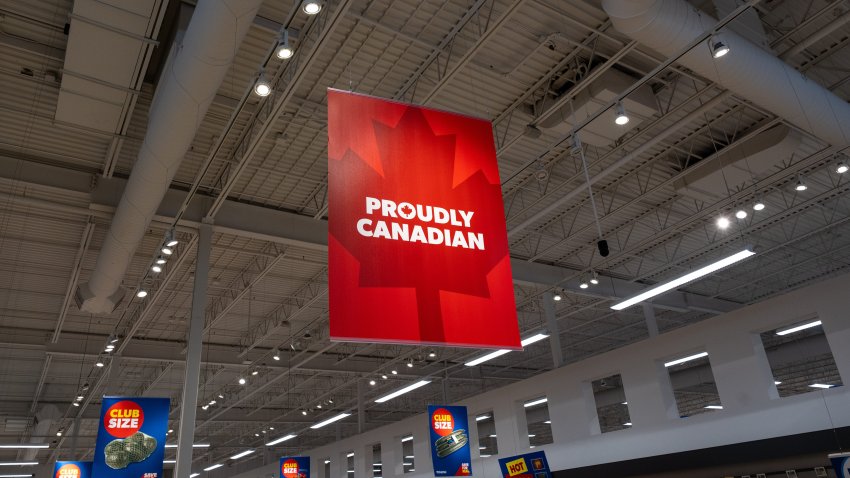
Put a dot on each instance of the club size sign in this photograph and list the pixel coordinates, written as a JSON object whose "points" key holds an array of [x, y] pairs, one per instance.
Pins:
{"points": [[72, 469], [416, 224], [449, 436], [295, 467], [131, 437]]}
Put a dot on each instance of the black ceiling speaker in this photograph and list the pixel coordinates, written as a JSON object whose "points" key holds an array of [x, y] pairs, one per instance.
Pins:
{"points": [[602, 244]]}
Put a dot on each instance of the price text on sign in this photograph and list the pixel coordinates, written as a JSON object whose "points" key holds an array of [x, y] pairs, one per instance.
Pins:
{"points": [[442, 422], [516, 467], [124, 419]]}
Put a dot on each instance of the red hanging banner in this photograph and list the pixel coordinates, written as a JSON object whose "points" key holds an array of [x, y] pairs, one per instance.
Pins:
{"points": [[417, 246]]}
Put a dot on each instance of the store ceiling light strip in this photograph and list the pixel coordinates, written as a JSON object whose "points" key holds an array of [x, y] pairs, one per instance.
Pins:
{"points": [[498, 353], [686, 359], [798, 328], [281, 439], [679, 281], [481, 417], [18, 463], [213, 467], [330, 420], [535, 402], [16, 476], [194, 445], [23, 446], [402, 391], [240, 455]]}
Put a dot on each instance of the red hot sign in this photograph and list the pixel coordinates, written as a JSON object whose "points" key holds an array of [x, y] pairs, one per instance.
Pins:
{"points": [[417, 246]]}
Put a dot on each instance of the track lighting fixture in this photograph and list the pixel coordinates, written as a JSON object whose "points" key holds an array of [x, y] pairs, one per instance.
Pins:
{"points": [[842, 168], [255, 373], [594, 278], [741, 214], [758, 205], [205, 407], [394, 372], [167, 250], [311, 7], [622, 118], [142, 293], [276, 354], [304, 412], [76, 404], [100, 362], [113, 339], [156, 268], [801, 186], [371, 382], [171, 238], [384, 377], [583, 284], [242, 381], [319, 406], [262, 87], [432, 354], [284, 49], [160, 260], [718, 47], [722, 222], [557, 297]]}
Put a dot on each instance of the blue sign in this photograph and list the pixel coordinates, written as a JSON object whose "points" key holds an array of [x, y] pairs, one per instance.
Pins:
{"points": [[295, 467], [841, 463], [131, 437], [530, 465], [72, 469], [449, 440]]}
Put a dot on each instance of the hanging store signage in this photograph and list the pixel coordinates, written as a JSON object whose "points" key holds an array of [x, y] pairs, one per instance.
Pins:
{"points": [[131, 437], [417, 246], [72, 469], [841, 464], [449, 440], [530, 465], [295, 467]]}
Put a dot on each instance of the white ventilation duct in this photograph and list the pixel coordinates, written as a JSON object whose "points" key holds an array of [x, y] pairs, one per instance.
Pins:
{"points": [[45, 418], [188, 85], [750, 72]]}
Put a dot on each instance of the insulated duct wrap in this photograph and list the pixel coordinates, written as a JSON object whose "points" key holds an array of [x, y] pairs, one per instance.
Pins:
{"points": [[748, 71], [193, 75]]}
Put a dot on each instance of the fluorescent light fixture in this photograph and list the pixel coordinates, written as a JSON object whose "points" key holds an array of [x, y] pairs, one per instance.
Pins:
{"points": [[24, 446], [686, 359], [498, 353], [213, 467], [535, 402], [194, 445], [330, 420], [408, 457], [821, 385], [327, 462], [714, 407], [625, 403], [777, 382], [407, 464], [350, 455], [679, 281], [18, 463], [534, 338], [482, 447], [240, 455], [281, 439], [169, 462], [798, 328], [548, 422], [481, 417], [16, 476], [484, 456], [493, 436], [407, 438], [486, 358], [531, 435], [627, 424], [193, 475], [402, 391]]}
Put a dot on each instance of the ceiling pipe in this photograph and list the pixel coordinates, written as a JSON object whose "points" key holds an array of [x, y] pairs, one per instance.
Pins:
{"points": [[747, 70], [190, 81]]}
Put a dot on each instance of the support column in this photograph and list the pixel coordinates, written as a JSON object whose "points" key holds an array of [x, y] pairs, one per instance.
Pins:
{"points": [[649, 316], [189, 403], [361, 409], [554, 331]]}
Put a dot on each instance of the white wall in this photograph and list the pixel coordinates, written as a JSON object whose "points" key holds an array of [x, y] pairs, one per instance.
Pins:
{"points": [[752, 409]]}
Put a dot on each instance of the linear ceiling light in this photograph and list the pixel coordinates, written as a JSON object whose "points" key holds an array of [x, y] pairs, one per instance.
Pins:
{"points": [[407, 438], [213, 467], [798, 328], [16, 476], [18, 463], [194, 445], [193, 475], [682, 280], [498, 353], [714, 407], [532, 403], [241, 454], [281, 439], [330, 420], [481, 417], [169, 462], [402, 391], [24, 446], [821, 385], [686, 359]]}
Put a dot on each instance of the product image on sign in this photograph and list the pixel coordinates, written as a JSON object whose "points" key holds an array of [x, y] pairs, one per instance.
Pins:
{"points": [[449, 440], [530, 465], [121, 452], [416, 226]]}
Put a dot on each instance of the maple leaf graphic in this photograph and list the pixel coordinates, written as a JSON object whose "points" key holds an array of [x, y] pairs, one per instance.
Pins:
{"points": [[419, 167]]}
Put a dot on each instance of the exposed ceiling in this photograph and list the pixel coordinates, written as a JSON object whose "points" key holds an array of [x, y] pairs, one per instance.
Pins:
{"points": [[518, 63]]}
